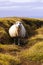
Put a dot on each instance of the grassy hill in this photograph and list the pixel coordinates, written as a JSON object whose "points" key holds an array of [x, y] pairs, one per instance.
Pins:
{"points": [[31, 52]]}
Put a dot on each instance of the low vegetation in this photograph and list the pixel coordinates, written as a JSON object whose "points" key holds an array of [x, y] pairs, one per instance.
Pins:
{"points": [[34, 53], [6, 59], [27, 54]]}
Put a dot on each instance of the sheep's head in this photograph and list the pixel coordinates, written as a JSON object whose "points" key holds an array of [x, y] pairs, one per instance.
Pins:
{"points": [[18, 26], [18, 23]]}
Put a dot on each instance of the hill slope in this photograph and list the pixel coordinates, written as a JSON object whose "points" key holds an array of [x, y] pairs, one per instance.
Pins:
{"points": [[29, 54]]}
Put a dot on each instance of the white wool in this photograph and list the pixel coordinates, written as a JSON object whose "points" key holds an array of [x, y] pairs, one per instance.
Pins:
{"points": [[13, 31], [23, 31]]}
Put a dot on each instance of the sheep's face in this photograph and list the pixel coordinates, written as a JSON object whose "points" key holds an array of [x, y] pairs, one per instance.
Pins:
{"points": [[19, 24]]}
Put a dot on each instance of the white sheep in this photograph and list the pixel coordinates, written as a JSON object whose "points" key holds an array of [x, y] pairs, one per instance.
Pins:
{"points": [[17, 31]]}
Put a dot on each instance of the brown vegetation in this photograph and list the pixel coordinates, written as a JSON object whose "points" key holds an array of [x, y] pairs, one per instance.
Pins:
{"points": [[31, 52]]}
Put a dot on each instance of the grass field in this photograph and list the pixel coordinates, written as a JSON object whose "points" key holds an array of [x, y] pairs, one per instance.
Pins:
{"points": [[31, 52]]}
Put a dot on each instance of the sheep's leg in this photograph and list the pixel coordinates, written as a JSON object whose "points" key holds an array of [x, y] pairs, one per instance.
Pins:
{"points": [[14, 40], [18, 41]]}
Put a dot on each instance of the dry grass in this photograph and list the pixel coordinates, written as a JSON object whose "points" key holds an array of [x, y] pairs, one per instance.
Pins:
{"points": [[6, 59], [10, 47], [11, 54], [34, 53]]}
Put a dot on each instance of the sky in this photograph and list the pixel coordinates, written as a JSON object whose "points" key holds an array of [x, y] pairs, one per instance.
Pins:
{"points": [[21, 8]]}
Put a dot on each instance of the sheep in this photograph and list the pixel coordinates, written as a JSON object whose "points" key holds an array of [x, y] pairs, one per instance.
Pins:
{"points": [[17, 31]]}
